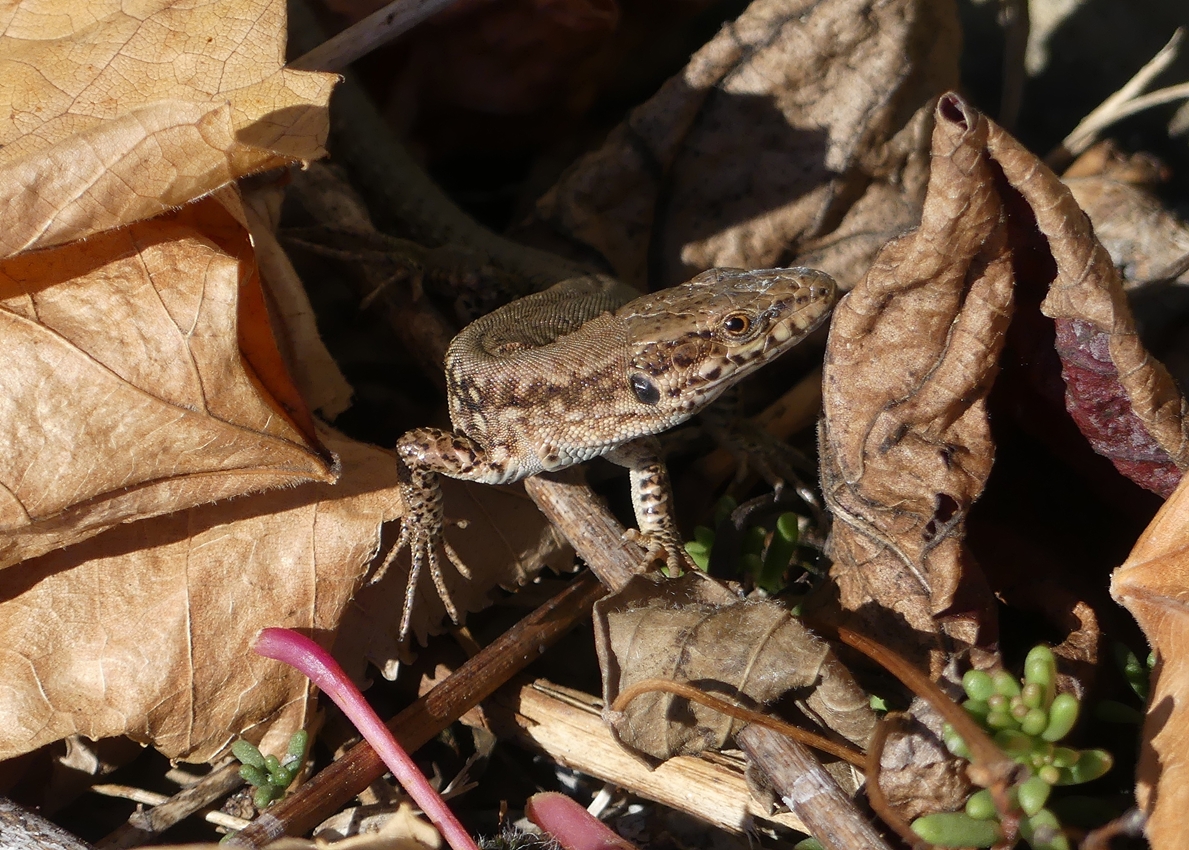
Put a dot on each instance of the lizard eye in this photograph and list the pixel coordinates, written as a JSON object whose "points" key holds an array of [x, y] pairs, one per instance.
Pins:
{"points": [[646, 391], [737, 324]]}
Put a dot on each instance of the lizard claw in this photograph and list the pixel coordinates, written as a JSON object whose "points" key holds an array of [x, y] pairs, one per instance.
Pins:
{"points": [[659, 547]]}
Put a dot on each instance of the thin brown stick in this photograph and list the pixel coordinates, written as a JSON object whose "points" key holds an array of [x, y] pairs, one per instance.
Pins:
{"points": [[684, 689], [474, 681], [1130, 823], [988, 762], [582, 518], [988, 765]]}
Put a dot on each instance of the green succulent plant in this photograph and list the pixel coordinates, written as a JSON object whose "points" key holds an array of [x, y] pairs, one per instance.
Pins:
{"points": [[1027, 719], [270, 775]]}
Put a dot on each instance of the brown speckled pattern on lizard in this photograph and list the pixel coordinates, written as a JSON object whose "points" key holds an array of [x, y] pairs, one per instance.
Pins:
{"points": [[585, 369]]}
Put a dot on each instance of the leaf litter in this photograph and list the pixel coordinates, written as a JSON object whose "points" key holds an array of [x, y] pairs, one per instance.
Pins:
{"points": [[151, 392]]}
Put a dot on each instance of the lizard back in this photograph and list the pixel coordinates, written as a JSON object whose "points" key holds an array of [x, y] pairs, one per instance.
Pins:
{"points": [[570, 373]]}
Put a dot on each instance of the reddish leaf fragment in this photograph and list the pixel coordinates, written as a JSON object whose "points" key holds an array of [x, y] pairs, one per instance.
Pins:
{"points": [[1123, 400], [1099, 405]]}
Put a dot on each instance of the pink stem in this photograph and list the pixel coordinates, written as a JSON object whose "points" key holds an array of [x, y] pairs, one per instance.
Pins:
{"points": [[315, 662], [572, 825]]}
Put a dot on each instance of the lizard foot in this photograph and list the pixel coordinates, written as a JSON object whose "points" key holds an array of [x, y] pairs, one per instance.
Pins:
{"points": [[423, 544], [664, 548], [421, 532]]}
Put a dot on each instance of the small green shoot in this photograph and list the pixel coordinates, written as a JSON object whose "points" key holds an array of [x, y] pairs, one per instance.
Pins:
{"points": [[764, 554], [269, 775]]}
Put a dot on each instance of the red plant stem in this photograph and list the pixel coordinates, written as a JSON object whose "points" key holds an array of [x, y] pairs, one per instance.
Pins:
{"points": [[573, 826], [304, 655]]}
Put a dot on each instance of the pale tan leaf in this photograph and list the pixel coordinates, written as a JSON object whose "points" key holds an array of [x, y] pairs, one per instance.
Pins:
{"points": [[119, 112], [146, 630], [141, 378], [1153, 585]]}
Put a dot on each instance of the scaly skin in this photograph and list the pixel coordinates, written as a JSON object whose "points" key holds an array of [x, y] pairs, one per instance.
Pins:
{"points": [[580, 371]]}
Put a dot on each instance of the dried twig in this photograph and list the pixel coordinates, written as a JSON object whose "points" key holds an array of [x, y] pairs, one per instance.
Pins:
{"points": [[143, 825], [21, 829], [362, 37], [809, 791], [1126, 101], [567, 726], [151, 798]]}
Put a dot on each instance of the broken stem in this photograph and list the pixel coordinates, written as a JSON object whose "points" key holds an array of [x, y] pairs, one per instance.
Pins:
{"points": [[362, 37], [304, 655], [1126, 101]]}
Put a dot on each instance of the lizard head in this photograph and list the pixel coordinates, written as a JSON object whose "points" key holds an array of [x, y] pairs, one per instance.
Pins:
{"points": [[691, 342]]}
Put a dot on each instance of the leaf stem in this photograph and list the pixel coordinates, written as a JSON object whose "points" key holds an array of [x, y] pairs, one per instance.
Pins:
{"points": [[304, 655]]}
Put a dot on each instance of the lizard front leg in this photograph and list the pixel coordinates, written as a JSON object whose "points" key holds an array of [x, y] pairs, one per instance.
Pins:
{"points": [[424, 453], [652, 499]]}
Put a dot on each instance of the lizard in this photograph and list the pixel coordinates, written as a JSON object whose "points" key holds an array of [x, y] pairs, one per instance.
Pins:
{"points": [[590, 368]]}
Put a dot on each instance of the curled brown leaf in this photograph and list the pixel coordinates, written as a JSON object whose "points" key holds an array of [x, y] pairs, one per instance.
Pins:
{"points": [[694, 630], [906, 443]]}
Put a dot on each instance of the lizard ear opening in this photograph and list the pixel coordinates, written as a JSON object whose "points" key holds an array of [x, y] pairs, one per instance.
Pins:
{"points": [[646, 391]]}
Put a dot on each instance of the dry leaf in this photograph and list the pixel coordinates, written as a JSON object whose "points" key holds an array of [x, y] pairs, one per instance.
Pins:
{"points": [[1152, 584], [142, 378], [694, 630], [117, 113], [890, 205], [906, 446], [917, 774], [770, 134], [145, 630], [1142, 237]]}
